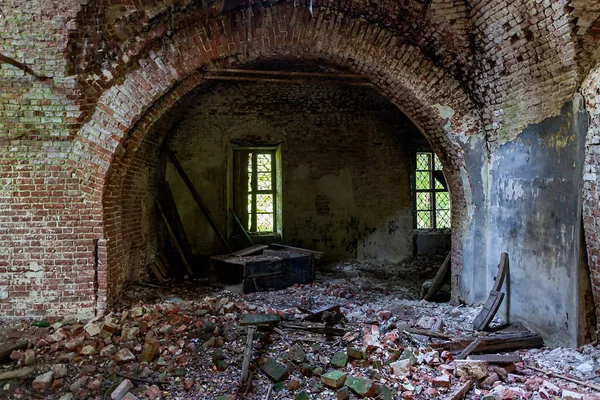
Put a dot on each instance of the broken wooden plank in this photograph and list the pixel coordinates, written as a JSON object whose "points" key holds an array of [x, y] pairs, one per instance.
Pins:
{"points": [[469, 349], [175, 241], [241, 226], [492, 305], [17, 373], [564, 377], [156, 272], [489, 310], [496, 358], [165, 262], [247, 355], [330, 315], [259, 319], [463, 390], [7, 348], [316, 254], [323, 330], [425, 332], [440, 278], [494, 344], [248, 251], [198, 199]]}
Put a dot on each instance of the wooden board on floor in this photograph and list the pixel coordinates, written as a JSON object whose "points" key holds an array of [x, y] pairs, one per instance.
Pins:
{"points": [[495, 343], [156, 272], [248, 251]]}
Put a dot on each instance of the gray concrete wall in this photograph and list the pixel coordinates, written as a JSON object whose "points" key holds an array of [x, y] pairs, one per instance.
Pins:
{"points": [[346, 164], [535, 216]]}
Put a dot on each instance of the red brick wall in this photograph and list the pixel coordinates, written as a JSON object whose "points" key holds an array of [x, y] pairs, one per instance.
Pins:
{"points": [[66, 143]]}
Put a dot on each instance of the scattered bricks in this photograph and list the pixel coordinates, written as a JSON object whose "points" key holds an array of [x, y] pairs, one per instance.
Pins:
{"points": [[108, 329], [475, 369], [297, 354], [303, 396], [343, 393], [88, 350], [570, 395], [334, 379], [124, 356], [221, 365], [217, 355], [153, 392], [442, 381], [121, 390], [150, 350], [74, 343], [490, 380], [275, 371], [94, 384], [166, 329], [551, 387], [407, 355], [129, 396], [29, 357], [401, 367], [355, 353], [59, 371], [16, 355], [57, 383], [293, 385], [66, 396], [188, 384], [361, 387], [339, 360], [317, 371], [78, 384], [42, 382], [92, 329], [108, 351], [384, 392]]}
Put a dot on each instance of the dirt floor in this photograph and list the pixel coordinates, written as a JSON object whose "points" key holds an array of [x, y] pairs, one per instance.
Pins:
{"points": [[191, 337]]}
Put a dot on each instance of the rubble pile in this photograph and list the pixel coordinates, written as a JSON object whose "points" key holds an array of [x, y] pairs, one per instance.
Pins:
{"points": [[187, 341]]}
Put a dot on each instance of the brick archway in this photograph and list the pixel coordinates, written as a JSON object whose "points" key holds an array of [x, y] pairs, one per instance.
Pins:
{"points": [[106, 145]]}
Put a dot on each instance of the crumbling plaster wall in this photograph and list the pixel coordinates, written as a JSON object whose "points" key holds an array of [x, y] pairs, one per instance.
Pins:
{"points": [[346, 153]]}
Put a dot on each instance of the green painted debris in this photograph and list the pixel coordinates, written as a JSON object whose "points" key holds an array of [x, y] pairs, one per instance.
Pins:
{"points": [[275, 371], [334, 379], [339, 360]]}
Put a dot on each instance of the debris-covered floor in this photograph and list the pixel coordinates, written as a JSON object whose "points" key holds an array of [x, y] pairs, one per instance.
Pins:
{"points": [[184, 341]]}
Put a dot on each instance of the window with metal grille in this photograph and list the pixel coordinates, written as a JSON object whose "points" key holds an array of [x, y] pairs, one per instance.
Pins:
{"points": [[256, 189], [431, 197]]}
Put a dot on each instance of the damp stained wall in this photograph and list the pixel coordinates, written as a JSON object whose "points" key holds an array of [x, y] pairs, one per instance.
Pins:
{"points": [[535, 216], [346, 155]]}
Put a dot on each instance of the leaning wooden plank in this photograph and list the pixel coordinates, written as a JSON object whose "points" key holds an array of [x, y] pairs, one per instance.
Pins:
{"points": [[259, 319], [248, 251], [165, 196], [156, 272], [496, 358], [438, 281], [247, 355], [172, 234], [241, 226], [469, 349], [492, 305], [425, 332], [198, 199], [7, 348], [494, 344], [164, 261], [489, 310], [161, 268]]}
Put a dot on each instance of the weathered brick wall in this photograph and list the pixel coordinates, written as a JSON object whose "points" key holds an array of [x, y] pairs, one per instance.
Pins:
{"points": [[346, 154], [112, 63]]}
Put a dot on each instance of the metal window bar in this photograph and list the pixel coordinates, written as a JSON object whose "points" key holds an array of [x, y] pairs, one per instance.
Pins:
{"points": [[432, 210]]}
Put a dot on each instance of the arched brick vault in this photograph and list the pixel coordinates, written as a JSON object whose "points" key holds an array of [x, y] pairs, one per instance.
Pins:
{"points": [[105, 146]]}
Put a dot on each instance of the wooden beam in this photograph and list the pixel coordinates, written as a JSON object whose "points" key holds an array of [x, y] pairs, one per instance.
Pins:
{"points": [[495, 343], [172, 234], [241, 226], [247, 355], [165, 196], [289, 80], [290, 73], [198, 199]]}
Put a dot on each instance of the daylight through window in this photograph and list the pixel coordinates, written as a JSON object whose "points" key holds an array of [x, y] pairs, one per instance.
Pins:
{"points": [[261, 191], [432, 200]]}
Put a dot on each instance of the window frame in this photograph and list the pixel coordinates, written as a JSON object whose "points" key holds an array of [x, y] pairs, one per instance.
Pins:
{"points": [[276, 188], [253, 217], [432, 190]]}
